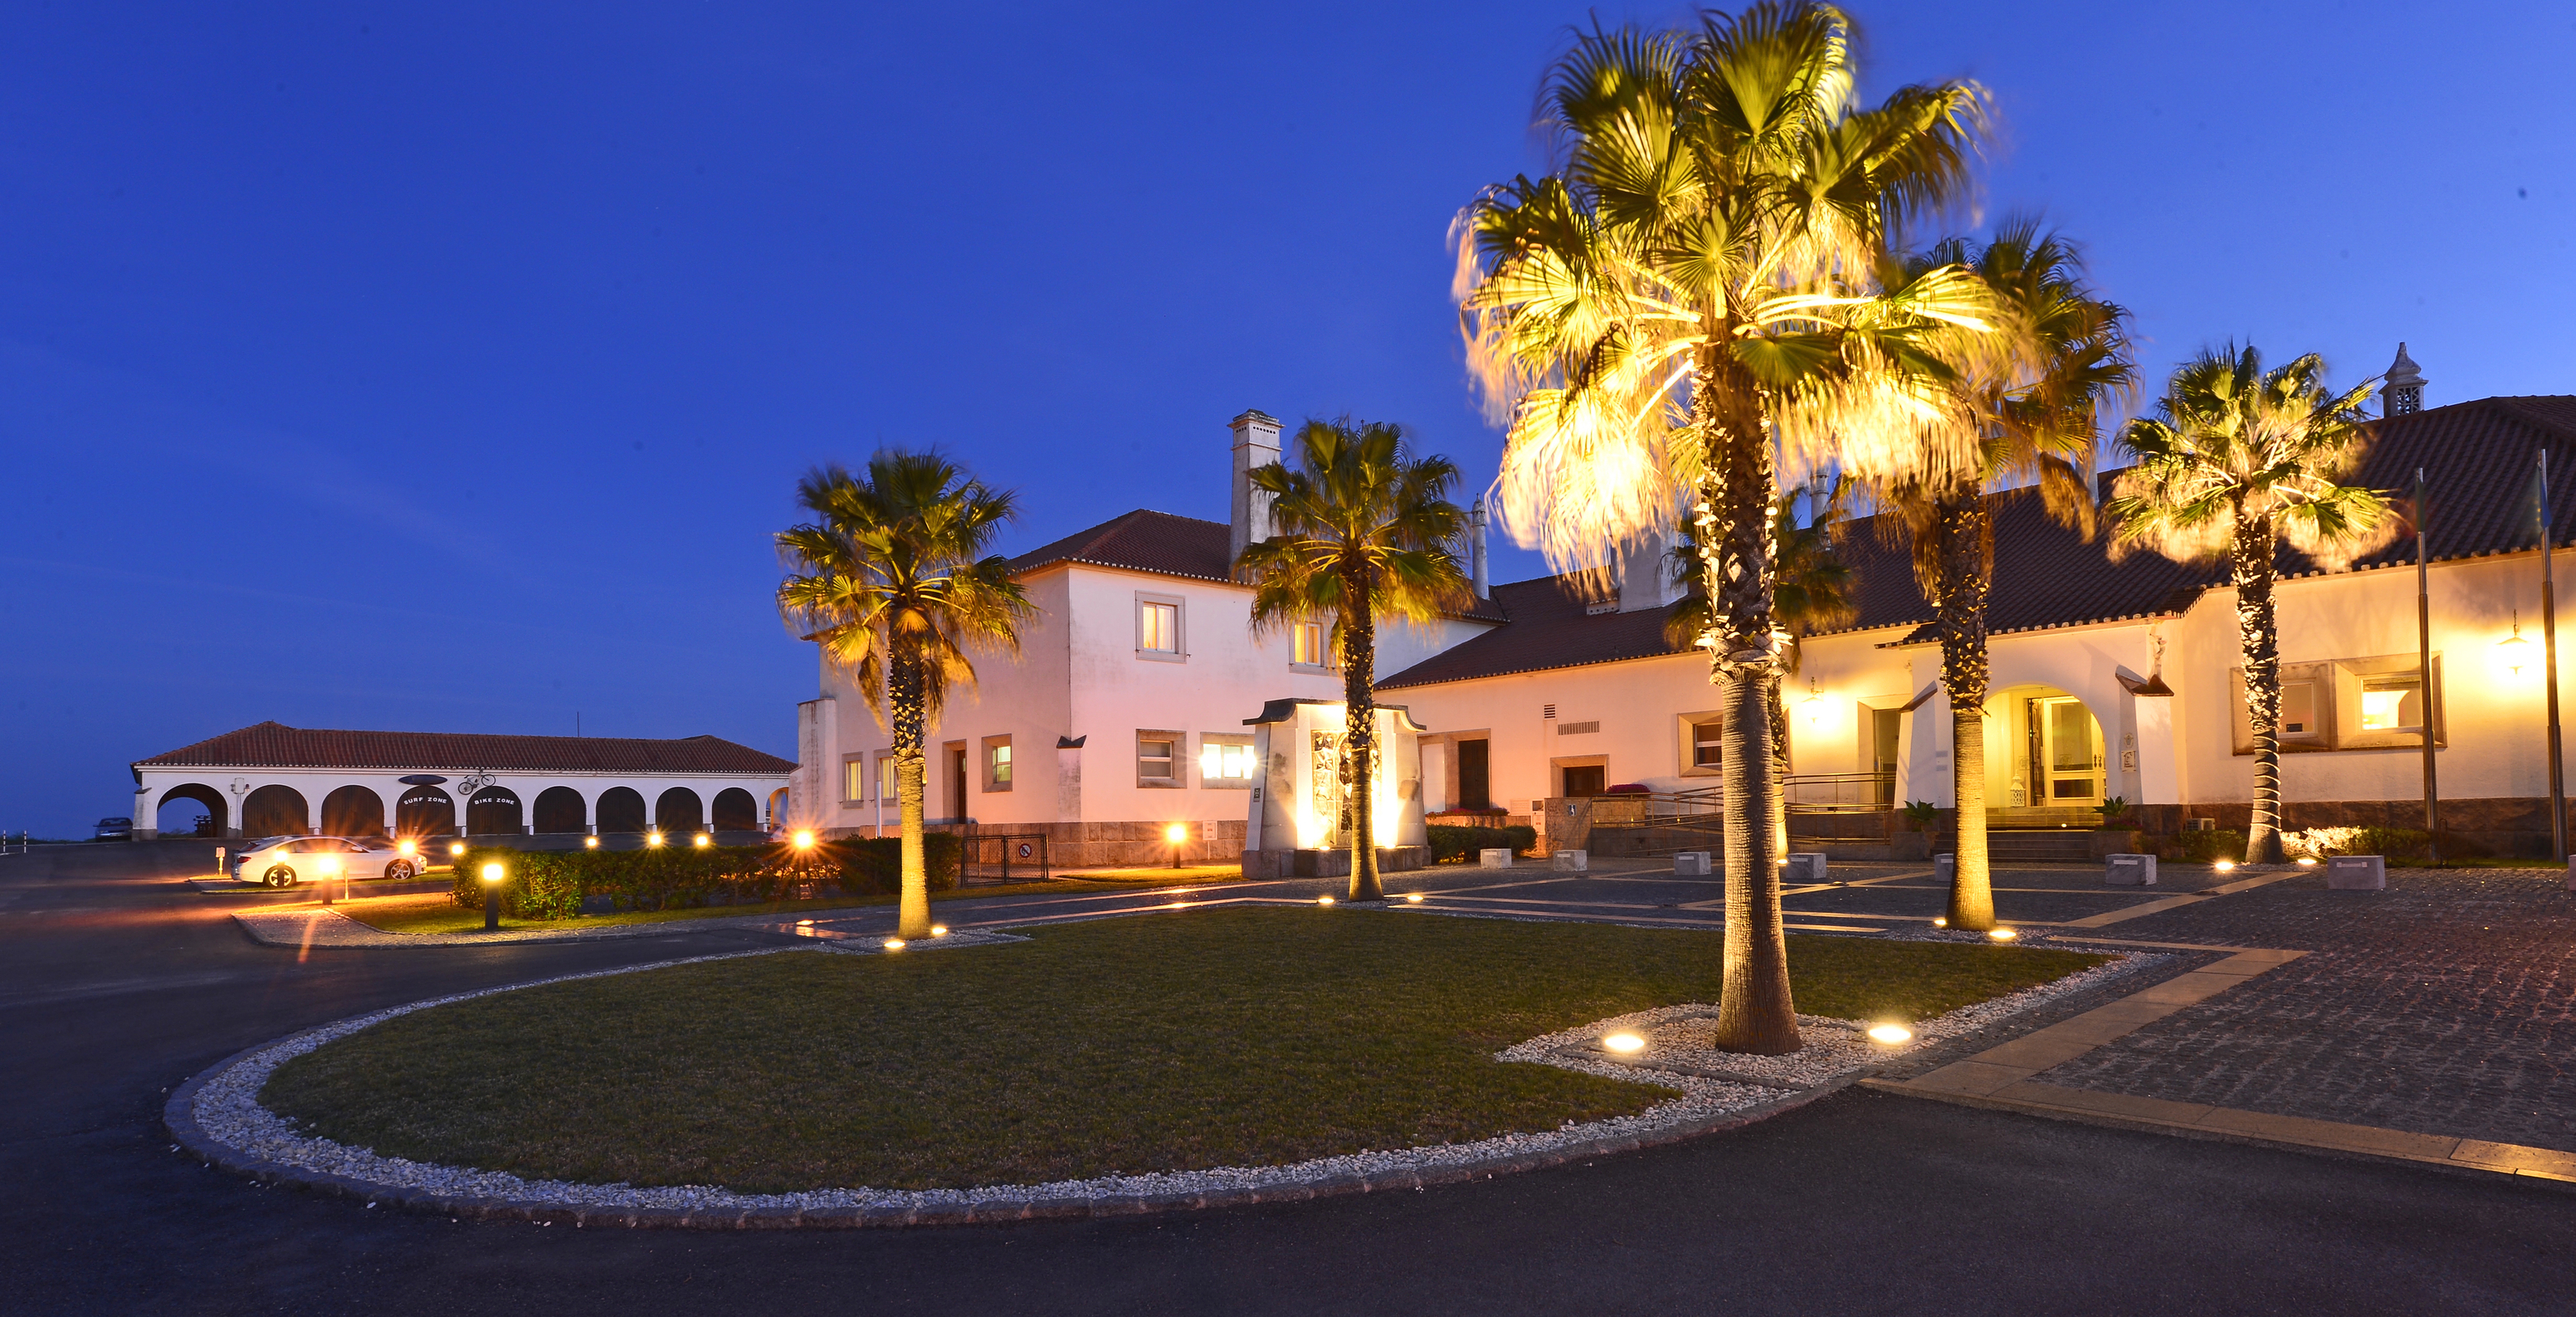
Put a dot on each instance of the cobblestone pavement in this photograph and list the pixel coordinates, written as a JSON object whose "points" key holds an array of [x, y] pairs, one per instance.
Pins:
{"points": [[2443, 1005]]}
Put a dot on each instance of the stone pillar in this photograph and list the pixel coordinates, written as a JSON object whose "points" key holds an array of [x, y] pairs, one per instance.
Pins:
{"points": [[147, 821]]}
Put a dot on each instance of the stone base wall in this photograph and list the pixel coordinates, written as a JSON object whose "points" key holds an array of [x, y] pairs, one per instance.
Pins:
{"points": [[2495, 825], [1330, 864], [1102, 845]]}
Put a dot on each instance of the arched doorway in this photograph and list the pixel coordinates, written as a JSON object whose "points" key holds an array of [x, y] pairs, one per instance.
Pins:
{"points": [[777, 807], [2045, 757], [679, 810], [189, 821], [275, 811], [559, 809], [425, 812], [736, 811], [353, 811], [621, 809], [493, 811]]}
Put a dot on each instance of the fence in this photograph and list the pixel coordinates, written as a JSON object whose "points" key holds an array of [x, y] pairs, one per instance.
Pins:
{"points": [[1002, 858]]}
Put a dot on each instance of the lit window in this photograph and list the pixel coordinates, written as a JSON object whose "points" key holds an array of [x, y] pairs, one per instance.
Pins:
{"points": [[854, 780], [1707, 741], [997, 764], [1155, 760], [2393, 703], [1225, 765], [1158, 628], [885, 778], [1306, 644]]}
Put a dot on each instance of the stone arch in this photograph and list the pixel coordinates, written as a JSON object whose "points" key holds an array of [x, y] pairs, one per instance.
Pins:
{"points": [[353, 811], [2047, 748], [679, 810], [494, 811], [217, 810], [621, 809], [560, 809], [736, 811], [275, 811], [777, 807], [425, 812]]}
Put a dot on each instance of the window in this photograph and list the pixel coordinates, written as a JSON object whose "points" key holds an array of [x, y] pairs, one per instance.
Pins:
{"points": [[1158, 759], [1306, 645], [997, 763], [2376, 703], [854, 779], [1708, 740], [1586, 779], [2393, 703], [2298, 708], [885, 778], [1225, 760], [1158, 628]]}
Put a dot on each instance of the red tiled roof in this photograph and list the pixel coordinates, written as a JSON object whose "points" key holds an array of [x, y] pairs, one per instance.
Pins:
{"points": [[1166, 545], [275, 745], [2477, 458]]}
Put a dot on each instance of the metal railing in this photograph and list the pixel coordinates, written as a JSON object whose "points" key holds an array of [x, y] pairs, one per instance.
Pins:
{"points": [[1840, 793]]}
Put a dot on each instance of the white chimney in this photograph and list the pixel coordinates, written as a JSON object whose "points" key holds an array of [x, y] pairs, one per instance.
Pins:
{"points": [[1641, 574], [1476, 551], [1256, 444], [2404, 391]]}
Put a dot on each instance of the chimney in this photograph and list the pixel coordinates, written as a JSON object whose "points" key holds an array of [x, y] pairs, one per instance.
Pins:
{"points": [[1476, 551], [1256, 444], [2403, 394], [1641, 574]]}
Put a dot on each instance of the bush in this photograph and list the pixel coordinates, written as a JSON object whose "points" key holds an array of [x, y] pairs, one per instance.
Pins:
{"points": [[873, 866], [2210, 847], [1456, 843], [2317, 843]]}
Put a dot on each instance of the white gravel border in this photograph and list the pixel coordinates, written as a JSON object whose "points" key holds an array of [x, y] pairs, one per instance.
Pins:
{"points": [[218, 1116]]}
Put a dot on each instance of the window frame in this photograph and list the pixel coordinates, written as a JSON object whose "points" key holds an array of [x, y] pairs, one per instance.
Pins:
{"points": [[1178, 764], [854, 774], [997, 775], [1689, 725], [889, 787], [1323, 647], [2339, 684], [1180, 650]]}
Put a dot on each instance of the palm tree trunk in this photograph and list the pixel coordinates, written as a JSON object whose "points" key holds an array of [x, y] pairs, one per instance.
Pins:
{"points": [[1754, 1011], [1779, 761], [2258, 631], [1359, 660], [904, 695], [1967, 559]]}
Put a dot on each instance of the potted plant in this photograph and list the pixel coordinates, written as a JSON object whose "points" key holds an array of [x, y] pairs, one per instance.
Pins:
{"points": [[1917, 822]]}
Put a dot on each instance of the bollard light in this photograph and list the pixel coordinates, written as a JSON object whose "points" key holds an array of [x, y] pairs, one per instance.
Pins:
{"points": [[456, 848], [590, 843], [653, 838], [492, 875], [701, 839], [407, 847], [804, 840], [1176, 834], [330, 870]]}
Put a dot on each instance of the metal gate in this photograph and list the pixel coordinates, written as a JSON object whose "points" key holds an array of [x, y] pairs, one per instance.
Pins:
{"points": [[1002, 858]]}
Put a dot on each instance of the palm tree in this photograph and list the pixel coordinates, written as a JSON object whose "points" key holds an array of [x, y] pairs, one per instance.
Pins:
{"points": [[894, 578], [1813, 590], [2235, 460], [1362, 530], [2030, 395], [1696, 285]]}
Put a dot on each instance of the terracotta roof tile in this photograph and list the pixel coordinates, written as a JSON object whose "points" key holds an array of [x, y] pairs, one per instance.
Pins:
{"points": [[275, 745], [1166, 545]]}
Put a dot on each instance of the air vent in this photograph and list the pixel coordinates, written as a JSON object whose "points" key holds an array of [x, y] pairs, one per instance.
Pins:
{"points": [[1549, 712]]}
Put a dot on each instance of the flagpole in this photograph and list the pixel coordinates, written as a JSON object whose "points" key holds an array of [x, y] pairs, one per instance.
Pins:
{"points": [[2549, 660], [2424, 668]]}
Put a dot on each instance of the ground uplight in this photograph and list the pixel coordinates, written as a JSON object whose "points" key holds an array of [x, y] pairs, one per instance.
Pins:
{"points": [[894, 944], [1624, 1042], [1890, 1034], [2224, 866], [939, 930], [1323, 900], [1413, 897], [2002, 934], [2307, 861]]}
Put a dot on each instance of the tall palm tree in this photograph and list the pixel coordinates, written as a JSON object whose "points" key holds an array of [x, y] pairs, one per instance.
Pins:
{"points": [[2235, 460], [1696, 285], [895, 578], [2030, 396], [1813, 590], [1362, 530]]}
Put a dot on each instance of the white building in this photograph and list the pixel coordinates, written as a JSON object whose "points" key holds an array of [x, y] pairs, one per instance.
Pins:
{"points": [[1130, 706], [274, 780]]}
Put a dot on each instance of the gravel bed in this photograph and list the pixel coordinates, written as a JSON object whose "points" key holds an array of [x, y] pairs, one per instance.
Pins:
{"points": [[218, 1115]]}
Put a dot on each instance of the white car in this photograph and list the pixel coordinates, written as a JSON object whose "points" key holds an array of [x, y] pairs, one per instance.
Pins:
{"points": [[286, 861]]}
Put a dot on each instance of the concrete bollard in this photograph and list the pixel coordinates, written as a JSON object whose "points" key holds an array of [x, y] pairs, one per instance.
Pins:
{"points": [[2571, 873], [1498, 857], [1945, 868], [2357, 873], [2129, 871], [1571, 861], [1694, 864], [1803, 867]]}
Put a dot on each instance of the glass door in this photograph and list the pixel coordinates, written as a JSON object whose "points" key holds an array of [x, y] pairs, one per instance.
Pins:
{"points": [[2070, 751]]}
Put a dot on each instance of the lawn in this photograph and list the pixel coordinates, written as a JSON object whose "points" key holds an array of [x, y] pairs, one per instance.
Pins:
{"points": [[439, 914], [1214, 1038]]}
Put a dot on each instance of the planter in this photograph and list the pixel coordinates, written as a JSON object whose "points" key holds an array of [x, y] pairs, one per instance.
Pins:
{"points": [[1913, 846], [2108, 842]]}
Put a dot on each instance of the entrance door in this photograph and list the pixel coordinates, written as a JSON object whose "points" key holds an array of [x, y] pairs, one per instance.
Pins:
{"points": [[1586, 779], [1475, 781], [2069, 751], [957, 783], [1886, 728]]}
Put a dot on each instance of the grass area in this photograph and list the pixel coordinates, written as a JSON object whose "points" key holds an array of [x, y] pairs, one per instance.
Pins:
{"points": [[439, 913], [1222, 1037], [1155, 874]]}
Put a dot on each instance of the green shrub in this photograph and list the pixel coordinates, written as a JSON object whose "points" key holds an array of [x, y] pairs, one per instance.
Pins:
{"points": [[1449, 842], [873, 866], [2321, 842], [552, 884], [2210, 847]]}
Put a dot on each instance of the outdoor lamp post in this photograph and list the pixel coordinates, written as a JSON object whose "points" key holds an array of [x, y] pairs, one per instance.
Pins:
{"points": [[492, 874]]}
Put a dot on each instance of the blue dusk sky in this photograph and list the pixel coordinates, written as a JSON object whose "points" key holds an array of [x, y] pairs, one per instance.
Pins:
{"points": [[449, 366]]}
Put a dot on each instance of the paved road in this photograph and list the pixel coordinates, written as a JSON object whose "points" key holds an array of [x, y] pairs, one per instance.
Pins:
{"points": [[114, 984]]}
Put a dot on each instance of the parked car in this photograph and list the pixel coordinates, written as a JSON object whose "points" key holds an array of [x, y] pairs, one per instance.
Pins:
{"points": [[286, 861], [113, 830]]}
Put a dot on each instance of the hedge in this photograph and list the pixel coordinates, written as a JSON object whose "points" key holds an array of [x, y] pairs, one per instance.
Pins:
{"points": [[1450, 842], [553, 884]]}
